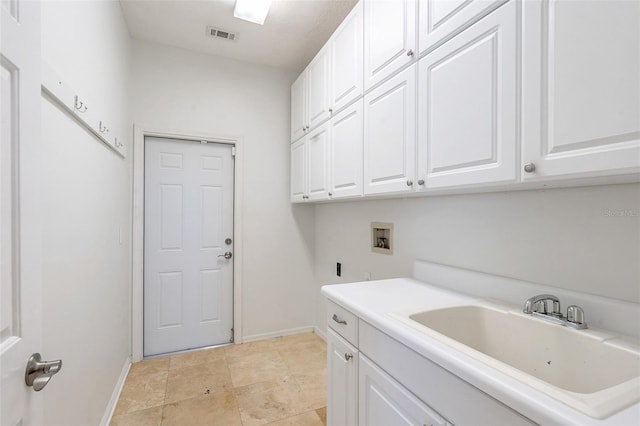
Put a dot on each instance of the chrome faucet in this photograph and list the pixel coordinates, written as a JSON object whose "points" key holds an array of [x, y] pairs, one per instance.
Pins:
{"points": [[547, 307]]}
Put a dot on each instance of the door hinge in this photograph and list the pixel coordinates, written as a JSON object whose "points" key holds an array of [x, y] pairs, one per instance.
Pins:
{"points": [[233, 151], [231, 337], [203, 142]]}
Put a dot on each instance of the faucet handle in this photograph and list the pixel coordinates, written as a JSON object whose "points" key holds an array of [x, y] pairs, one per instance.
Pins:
{"points": [[575, 317]]}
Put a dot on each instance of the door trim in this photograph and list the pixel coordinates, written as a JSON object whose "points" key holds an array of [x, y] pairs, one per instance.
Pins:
{"points": [[137, 234]]}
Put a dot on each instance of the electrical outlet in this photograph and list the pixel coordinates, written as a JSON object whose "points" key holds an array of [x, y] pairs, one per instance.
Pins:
{"points": [[339, 269]]}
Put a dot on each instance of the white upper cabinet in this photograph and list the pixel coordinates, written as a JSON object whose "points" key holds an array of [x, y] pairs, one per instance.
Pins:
{"points": [[299, 171], [345, 152], [318, 88], [581, 89], [346, 59], [438, 19], [467, 106], [389, 38], [389, 135], [317, 161], [299, 107]]}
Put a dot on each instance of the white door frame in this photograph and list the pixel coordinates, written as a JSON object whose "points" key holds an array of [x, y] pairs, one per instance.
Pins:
{"points": [[137, 235]]}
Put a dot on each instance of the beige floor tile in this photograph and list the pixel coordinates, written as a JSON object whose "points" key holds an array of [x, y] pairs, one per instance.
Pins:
{"points": [[305, 359], [296, 339], [263, 386], [322, 413], [315, 387], [251, 348], [196, 358], [310, 418], [277, 403], [256, 368], [198, 380], [219, 408], [142, 391], [148, 417], [149, 367]]}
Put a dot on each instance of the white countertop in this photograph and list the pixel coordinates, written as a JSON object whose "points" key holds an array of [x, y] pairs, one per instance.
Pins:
{"points": [[374, 301]]}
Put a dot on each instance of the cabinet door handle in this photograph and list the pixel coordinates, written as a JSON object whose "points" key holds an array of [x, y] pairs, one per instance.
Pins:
{"points": [[347, 356], [530, 167], [409, 52], [409, 183], [338, 320], [421, 182]]}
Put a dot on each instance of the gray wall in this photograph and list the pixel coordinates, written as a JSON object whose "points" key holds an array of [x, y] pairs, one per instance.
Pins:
{"points": [[584, 239]]}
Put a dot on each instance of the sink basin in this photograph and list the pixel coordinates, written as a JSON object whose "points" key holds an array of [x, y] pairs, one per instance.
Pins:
{"points": [[589, 370]]}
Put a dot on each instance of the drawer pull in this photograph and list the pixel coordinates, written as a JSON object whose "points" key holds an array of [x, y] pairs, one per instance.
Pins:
{"points": [[338, 320]]}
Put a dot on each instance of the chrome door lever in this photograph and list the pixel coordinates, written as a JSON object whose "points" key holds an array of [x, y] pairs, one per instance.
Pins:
{"points": [[38, 372], [228, 255]]}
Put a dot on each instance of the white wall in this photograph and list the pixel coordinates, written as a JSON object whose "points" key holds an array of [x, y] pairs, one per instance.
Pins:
{"points": [[86, 200], [583, 239], [178, 89]]}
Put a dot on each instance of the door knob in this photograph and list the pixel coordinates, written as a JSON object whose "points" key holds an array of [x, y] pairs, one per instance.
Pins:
{"points": [[227, 255], [38, 372]]}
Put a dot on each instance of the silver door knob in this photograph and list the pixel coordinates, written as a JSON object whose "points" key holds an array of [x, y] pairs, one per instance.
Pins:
{"points": [[228, 255], [409, 183], [421, 182], [39, 372], [409, 52], [348, 356], [330, 194], [529, 167]]}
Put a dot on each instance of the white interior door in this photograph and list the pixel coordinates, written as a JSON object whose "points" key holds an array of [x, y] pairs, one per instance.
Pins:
{"points": [[20, 231], [188, 281]]}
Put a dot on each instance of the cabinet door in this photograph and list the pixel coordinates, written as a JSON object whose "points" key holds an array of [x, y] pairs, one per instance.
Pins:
{"points": [[389, 38], [317, 158], [318, 88], [299, 107], [467, 105], [389, 135], [581, 86], [298, 171], [439, 19], [345, 152], [342, 381], [347, 59], [383, 401]]}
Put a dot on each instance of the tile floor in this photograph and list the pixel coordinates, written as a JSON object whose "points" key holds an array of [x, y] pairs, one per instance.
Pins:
{"points": [[279, 382]]}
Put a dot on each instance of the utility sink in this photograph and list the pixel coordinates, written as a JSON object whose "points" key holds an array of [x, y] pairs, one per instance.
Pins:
{"points": [[595, 372]]}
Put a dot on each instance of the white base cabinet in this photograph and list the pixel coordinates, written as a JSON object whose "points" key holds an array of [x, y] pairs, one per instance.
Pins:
{"points": [[342, 381], [375, 380], [383, 401]]}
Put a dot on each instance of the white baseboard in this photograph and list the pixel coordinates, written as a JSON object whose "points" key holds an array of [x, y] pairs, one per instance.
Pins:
{"points": [[320, 333], [111, 406], [289, 332]]}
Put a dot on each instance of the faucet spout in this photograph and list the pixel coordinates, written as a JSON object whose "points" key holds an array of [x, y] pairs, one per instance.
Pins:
{"points": [[539, 304]]}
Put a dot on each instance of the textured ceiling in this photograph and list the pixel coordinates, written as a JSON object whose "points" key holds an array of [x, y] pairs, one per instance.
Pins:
{"points": [[292, 34]]}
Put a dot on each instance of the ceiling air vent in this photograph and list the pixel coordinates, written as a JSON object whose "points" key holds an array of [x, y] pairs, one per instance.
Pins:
{"points": [[218, 33]]}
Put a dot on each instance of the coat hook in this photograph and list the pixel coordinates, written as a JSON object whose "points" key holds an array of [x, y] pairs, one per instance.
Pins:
{"points": [[103, 128], [79, 105]]}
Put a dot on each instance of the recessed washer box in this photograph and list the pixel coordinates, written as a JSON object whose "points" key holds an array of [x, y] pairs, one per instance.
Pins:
{"points": [[382, 237]]}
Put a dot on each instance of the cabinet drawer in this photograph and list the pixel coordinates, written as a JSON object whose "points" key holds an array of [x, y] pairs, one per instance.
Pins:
{"points": [[343, 322], [433, 384]]}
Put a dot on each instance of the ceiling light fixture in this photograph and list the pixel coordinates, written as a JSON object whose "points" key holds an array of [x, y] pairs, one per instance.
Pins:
{"points": [[252, 10]]}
